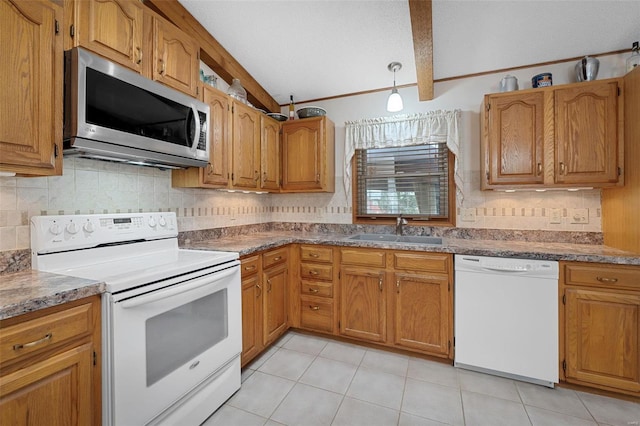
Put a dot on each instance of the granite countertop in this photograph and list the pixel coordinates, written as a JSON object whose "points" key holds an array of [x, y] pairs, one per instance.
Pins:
{"points": [[252, 243], [28, 291]]}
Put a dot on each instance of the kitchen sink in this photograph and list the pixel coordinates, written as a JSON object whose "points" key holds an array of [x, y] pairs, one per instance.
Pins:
{"points": [[406, 239]]}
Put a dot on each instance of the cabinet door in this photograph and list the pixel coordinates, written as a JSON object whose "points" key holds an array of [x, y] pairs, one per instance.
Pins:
{"points": [[176, 60], [246, 147], [602, 337], [113, 29], [275, 301], [514, 152], [54, 391], [31, 102], [270, 151], [362, 304], [251, 317], [217, 171], [302, 154], [586, 120], [422, 312]]}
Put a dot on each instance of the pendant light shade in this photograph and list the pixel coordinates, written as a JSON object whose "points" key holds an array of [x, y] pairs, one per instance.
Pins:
{"points": [[394, 102]]}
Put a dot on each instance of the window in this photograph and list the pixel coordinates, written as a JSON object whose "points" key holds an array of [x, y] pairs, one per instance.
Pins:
{"points": [[413, 181]]}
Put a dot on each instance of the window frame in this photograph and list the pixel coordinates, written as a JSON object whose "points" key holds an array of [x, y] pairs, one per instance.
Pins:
{"points": [[450, 221]]}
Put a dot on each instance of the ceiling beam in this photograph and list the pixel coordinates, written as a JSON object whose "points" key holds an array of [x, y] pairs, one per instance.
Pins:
{"points": [[212, 53], [421, 27]]}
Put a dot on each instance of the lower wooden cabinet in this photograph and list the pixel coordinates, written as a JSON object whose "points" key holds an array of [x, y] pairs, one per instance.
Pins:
{"points": [[265, 286], [316, 308], [50, 366], [602, 326]]}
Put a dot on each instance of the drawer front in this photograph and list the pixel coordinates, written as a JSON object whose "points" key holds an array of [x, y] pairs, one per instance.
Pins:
{"points": [[274, 257], [316, 254], [422, 262], [362, 257], [40, 333], [249, 266], [316, 315], [316, 288], [611, 276], [314, 271]]}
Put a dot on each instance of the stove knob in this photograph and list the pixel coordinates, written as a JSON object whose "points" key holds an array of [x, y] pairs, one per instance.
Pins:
{"points": [[55, 229], [72, 228], [162, 222], [88, 227], [152, 222]]}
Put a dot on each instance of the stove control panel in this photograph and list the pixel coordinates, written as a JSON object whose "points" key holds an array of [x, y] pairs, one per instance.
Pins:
{"points": [[51, 234]]}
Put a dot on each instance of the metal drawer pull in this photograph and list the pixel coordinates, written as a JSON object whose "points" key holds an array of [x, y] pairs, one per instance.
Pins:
{"points": [[314, 308], [19, 346], [314, 255], [561, 168], [313, 272], [275, 259], [313, 290], [607, 280], [139, 58], [250, 268], [539, 169], [269, 286]]}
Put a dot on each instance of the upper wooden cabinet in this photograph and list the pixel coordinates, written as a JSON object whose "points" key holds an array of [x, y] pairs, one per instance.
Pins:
{"points": [[270, 153], [31, 101], [563, 136], [245, 147], [125, 32], [308, 158]]}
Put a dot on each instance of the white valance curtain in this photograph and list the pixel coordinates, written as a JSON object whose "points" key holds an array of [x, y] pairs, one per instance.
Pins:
{"points": [[404, 130]]}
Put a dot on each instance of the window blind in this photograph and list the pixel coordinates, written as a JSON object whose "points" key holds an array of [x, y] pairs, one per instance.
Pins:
{"points": [[411, 181]]}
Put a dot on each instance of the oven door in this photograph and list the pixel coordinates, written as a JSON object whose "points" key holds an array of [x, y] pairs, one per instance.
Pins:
{"points": [[166, 342]]}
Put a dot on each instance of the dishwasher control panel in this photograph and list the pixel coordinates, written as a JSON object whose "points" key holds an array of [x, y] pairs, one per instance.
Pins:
{"points": [[506, 265]]}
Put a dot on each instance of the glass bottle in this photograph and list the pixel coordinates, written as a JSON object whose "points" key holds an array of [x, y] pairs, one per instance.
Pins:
{"points": [[292, 107], [236, 91], [634, 60]]}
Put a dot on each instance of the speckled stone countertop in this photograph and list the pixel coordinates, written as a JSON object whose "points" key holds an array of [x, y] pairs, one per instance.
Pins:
{"points": [[252, 243], [28, 291]]}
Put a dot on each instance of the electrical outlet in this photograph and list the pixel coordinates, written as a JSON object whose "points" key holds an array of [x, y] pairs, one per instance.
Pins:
{"points": [[555, 216], [468, 215], [579, 216]]}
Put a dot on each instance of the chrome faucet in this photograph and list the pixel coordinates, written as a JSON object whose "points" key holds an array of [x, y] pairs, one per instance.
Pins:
{"points": [[400, 222]]}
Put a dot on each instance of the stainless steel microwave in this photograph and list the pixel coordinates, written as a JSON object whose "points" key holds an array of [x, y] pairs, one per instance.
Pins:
{"points": [[114, 114]]}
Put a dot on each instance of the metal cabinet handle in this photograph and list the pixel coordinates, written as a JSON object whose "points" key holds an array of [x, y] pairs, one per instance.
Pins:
{"points": [[259, 290], [19, 346], [269, 286], [314, 308], [264, 176], [607, 280], [561, 168], [398, 286], [163, 66], [139, 59], [380, 283], [314, 255], [257, 174], [318, 178], [539, 169], [313, 290]]}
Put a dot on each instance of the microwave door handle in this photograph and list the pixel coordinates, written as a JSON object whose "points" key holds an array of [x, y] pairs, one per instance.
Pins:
{"points": [[196, 136], [178, 289]]}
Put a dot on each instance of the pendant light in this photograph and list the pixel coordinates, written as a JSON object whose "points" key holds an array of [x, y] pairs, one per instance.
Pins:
{"points": [[394, 103]]}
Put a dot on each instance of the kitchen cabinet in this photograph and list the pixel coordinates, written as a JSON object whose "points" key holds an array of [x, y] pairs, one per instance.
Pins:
{"points": [[50, 368], [245, 147], [316, 289], [32, 71], [601, 325], [561, 136], [308, 157], [270, 153], [125, 32], [265, 286]]}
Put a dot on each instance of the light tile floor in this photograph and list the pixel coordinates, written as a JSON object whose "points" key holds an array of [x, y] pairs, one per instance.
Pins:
{"points": [[307, 380]]}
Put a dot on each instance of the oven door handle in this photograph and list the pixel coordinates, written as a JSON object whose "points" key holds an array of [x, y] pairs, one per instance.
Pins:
{"points": [[172, 291]]}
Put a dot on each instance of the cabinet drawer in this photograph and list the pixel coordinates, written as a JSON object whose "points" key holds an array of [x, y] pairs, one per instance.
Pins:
{"points": [[422, 262], [249, 266], [316, 315], [611, 276], [316, 272], [362, 257], [274, 257], [316, 288], [316, 254], [34, 335]]}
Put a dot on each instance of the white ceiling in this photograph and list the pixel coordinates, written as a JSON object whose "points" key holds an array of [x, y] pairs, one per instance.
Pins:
{"points": [[320, 48]]}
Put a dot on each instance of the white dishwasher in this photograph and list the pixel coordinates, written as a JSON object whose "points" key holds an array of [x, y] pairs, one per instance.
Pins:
{"points": [[506, 317]]}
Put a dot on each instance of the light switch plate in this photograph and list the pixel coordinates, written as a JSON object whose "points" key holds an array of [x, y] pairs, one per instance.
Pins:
{"points": [[468, 215], [555, 216], [579, 216]]}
